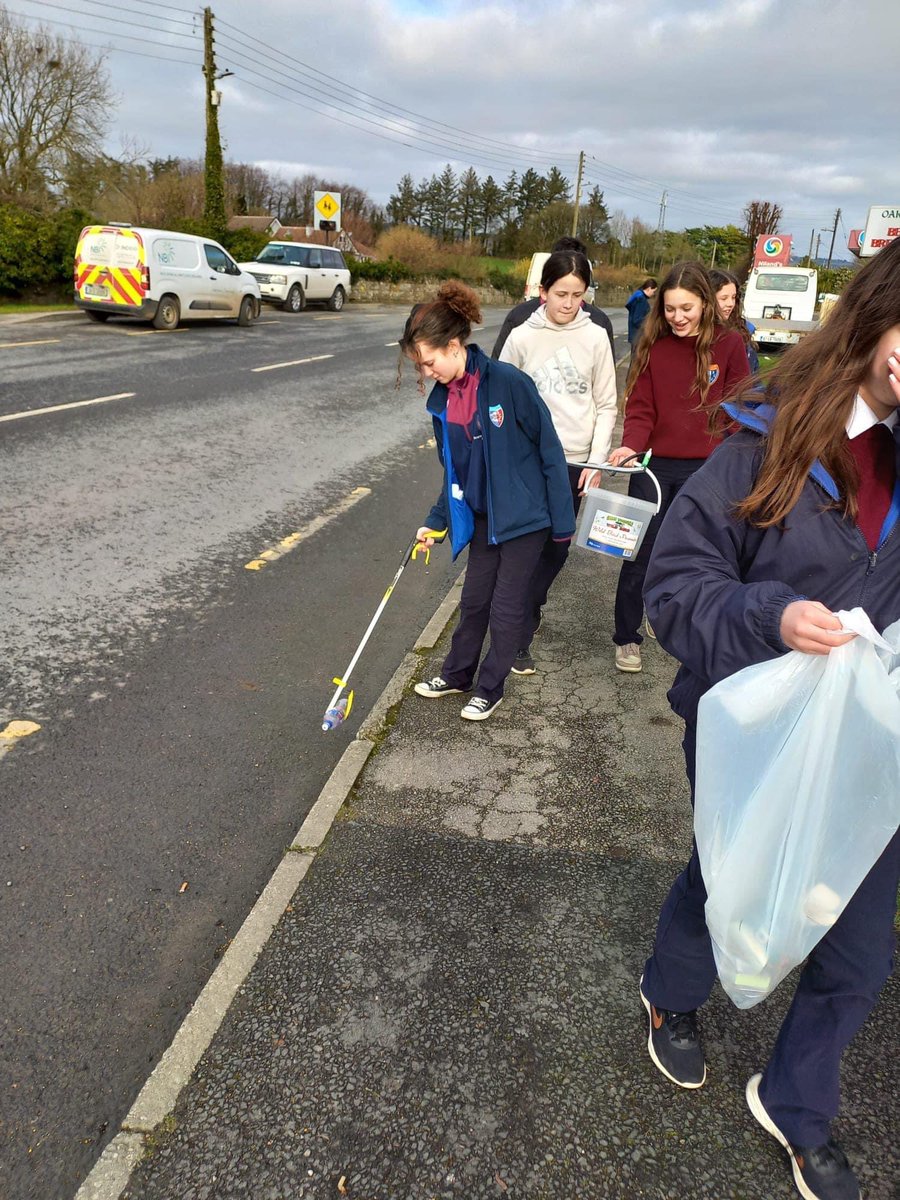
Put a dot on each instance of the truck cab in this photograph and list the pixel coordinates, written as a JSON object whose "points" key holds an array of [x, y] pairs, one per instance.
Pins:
{"points": [[780, 301]]}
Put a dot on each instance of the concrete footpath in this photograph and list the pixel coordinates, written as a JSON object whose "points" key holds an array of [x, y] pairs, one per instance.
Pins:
{"points": [[449, 1007]]}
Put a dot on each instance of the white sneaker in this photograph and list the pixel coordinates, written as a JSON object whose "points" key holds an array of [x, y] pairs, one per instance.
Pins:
{"points": [[628, 658], [479, 709]]}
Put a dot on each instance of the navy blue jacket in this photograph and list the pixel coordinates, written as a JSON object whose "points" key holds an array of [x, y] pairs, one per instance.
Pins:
{"points": [[716, 587], [527, 476], [638, 306]]}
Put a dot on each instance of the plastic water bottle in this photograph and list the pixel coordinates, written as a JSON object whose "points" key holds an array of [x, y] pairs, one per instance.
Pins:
{"points": [[334, 716]]}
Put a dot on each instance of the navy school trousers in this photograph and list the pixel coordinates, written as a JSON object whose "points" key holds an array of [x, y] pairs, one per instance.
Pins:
{"points": [[496, 593], [838, 987]]}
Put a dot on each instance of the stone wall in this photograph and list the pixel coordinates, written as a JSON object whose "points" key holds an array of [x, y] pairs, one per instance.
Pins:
{"points": [[414, 291]]}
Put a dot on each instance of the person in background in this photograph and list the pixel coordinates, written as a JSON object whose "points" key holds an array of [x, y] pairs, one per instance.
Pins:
{"points": [[520, 314], [570, 361], [728, 301], [638, 306], [790, 520], [505, 488], [683, 366]]}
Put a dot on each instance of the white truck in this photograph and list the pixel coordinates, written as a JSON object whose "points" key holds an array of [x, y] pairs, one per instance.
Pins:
{"points": [[780, 301]]}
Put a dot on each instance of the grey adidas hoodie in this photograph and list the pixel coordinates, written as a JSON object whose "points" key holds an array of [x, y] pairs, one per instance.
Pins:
{"points": [[572, 366]]}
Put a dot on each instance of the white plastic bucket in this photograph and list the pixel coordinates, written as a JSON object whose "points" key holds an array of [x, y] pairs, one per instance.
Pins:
{"points": [[613, 524]]}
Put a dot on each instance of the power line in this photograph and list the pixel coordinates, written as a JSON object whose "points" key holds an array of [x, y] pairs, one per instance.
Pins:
{"points": [[108, 45], [296, 64], [92, 29]]}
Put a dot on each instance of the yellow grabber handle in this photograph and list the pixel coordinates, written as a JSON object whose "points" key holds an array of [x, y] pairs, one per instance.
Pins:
{"points": [[341, 684], [438, 535]]}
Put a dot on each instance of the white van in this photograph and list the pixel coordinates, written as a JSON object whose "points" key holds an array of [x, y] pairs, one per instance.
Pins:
{"points": [[292, 273], [533, 278], [157, 275], [780, 302]]}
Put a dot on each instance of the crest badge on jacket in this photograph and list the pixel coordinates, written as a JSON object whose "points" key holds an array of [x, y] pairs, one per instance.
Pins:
{"points": [[495, 412]]}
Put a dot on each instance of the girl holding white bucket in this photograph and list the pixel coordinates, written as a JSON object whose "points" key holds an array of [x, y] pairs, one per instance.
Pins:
{"points": [[570, 360], [685, 364]]}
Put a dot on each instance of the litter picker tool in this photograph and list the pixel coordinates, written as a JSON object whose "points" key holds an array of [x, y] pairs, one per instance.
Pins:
{"points": [[339, 707]]}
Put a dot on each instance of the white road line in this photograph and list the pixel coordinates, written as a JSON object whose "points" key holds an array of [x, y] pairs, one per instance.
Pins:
{"points": [[297, 362], [392, 343], [39, 412], [42, 342]]}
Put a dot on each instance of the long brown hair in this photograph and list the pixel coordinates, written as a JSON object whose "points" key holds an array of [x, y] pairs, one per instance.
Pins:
{"points": [[719, 279], [693, 277], [813, 389]]}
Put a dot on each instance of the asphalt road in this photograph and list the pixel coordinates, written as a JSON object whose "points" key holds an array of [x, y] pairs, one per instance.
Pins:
{"points": [[178, 693]]}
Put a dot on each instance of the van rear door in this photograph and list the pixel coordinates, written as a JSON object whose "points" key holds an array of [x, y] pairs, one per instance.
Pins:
{"points": [[110, 268]]}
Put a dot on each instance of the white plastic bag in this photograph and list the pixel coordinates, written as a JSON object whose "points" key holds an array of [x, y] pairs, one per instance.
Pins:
{"points": [[797, 795]]}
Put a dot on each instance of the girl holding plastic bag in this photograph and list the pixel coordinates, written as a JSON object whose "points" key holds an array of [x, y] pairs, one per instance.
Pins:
{"points": [[793, 518]]}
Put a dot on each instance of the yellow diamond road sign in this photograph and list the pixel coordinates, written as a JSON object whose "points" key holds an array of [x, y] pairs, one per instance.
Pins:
{"points": [[327, 206]]}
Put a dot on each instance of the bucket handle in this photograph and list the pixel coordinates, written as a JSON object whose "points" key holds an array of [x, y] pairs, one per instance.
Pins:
{"points": [[638, 469]]}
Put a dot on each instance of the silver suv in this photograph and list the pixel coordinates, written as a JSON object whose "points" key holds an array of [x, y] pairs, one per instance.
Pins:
{"points": [[293, 274]]}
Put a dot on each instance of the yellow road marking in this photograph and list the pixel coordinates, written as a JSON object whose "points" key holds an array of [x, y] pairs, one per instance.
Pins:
{"points": [[42, 342], [429, 445], [14, 732], [39, 412], [334, 318], [297, 362], [293, 539]]}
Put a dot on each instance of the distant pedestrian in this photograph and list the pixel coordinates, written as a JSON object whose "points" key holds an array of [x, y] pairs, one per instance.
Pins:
{"points": [[684, 365], [520, 314], [505, 489], [728, 301], [570, 361], [638, 306], [794, 517]]}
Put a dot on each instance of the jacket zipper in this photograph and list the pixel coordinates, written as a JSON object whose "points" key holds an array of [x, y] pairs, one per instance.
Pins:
{"points": [[487, 466]]}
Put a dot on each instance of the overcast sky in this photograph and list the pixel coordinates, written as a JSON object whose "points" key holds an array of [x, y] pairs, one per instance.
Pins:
{"points": [[715, 102]]}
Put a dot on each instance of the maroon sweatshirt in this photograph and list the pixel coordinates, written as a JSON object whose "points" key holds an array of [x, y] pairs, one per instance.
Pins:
{"points": [[660, 411]]}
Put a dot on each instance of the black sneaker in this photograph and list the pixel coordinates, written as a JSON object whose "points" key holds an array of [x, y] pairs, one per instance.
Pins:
{"points": [[674, 1045], [435, 687], [524, 664], [820, 1172]]}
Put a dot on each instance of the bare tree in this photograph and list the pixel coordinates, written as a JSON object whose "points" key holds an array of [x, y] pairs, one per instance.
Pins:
{"points": [[55, 98], [761, 216]]}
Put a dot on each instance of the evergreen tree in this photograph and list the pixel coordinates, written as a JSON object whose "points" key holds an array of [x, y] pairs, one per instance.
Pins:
{"points": [[448, 204], [531, 194], [510, 197], [403, 206], [556, 187], [491, 206], [469, 202]]}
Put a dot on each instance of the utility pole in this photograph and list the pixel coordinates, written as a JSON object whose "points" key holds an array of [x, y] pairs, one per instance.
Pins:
{"points": [[661, 229], [712, 257], [214, 178], [837, 217], [812, 234], [818, 242], [575, 214]]}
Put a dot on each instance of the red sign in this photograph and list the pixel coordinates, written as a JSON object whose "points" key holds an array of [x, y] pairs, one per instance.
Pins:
{"points": [[772, 249]]}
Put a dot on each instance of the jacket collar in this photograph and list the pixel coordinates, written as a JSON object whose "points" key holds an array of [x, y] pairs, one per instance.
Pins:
{"points": [[476, 360], [759, 417]]}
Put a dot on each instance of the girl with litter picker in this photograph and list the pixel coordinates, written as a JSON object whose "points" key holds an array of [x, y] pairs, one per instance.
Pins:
{"points": [[728, 301], [684, 365], [570, 360], [794, 516], [505, 486]]}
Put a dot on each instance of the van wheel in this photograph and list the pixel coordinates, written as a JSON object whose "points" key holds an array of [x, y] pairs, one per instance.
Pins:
{"points": [[336, 303], [296, 301], [98, 316], [247, 314], [168, 314]]}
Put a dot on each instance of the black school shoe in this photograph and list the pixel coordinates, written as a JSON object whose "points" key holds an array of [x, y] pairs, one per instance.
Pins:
{"points": [[438, 686], [524, 664], [820, 1172], [674, 1044]]}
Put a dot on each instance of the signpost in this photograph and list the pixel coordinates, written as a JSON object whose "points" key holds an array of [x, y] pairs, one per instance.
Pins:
{"points": [[327, 211]]}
